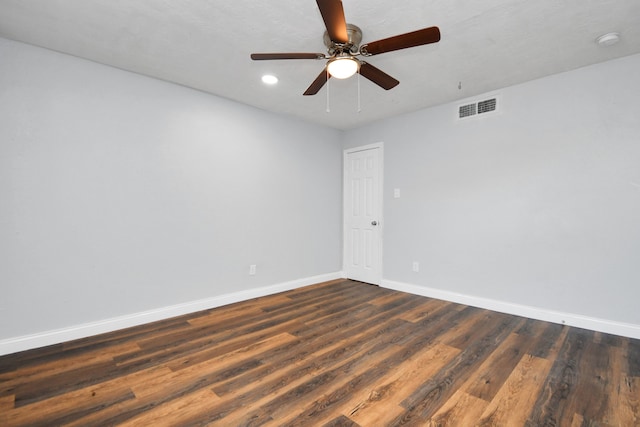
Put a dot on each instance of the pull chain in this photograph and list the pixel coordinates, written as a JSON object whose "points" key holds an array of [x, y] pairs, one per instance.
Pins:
{"points": [[359, 109], [328, 109]]}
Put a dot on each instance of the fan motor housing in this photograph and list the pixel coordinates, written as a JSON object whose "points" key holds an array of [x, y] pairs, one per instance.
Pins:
{"points": [[355, 37]]}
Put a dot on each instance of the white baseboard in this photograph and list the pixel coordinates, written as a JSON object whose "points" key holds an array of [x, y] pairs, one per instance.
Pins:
{"points": [[594, 324], [27, 342]]}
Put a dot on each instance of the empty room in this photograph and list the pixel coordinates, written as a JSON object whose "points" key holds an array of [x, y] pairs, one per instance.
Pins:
{"points": [[319, 213]]}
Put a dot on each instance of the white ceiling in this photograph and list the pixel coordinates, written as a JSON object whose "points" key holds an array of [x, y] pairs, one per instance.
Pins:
{"points": [[486, 45]]}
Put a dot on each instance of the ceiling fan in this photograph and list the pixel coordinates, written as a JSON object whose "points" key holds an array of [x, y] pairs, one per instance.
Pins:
{"points": [[343, 47]]}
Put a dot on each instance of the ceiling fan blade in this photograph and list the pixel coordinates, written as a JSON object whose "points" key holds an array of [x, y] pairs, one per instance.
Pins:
{"points": [[379, 77], [318, 83], [402, 41], [333, 16], [267, 56]]}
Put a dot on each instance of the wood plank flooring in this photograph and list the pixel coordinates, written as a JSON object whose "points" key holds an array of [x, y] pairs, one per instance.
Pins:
{"points": [[339, 353]]}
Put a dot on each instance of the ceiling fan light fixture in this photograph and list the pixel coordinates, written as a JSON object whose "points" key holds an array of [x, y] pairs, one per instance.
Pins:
{"points": [[343, 67]]}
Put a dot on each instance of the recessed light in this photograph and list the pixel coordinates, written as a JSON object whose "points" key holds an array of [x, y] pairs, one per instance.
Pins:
{"points": [[269, 79], [608, 39]]}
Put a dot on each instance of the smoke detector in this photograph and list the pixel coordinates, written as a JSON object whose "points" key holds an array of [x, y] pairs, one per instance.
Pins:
{"points": [[608, 39]]}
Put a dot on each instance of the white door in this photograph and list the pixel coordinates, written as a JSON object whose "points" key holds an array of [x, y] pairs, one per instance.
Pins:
{"points": [[362, 214]]}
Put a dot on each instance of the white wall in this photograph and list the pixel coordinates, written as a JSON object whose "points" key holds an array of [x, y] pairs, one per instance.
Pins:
{"points": [[537, 206], [121, 194]]}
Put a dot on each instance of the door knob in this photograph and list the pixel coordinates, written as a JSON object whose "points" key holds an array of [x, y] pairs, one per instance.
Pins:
{"points": [[374, 223]]}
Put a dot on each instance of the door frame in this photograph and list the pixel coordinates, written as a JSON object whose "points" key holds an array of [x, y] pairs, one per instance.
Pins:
{"points": [[346, 152]]}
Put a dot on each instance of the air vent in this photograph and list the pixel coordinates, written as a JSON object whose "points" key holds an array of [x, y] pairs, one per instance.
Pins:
{"points": [[466, 110], [476, 108], [487, 106]]}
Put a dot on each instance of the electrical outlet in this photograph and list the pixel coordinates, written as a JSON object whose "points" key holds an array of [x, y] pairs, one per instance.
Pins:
{"points": [[416, 266], [252, 270]]}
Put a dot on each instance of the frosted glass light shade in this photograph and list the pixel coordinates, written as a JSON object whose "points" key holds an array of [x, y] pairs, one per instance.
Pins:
{"points": [[343, 68]]}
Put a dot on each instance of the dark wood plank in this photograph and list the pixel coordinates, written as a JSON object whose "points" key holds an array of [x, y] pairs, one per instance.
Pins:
{"points": [[634, 358], [341, 421], [559, 391]]}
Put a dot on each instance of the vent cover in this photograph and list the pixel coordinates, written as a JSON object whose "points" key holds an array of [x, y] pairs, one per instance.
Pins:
{"points": [[466, 110], [487, 106], [476, 108]]}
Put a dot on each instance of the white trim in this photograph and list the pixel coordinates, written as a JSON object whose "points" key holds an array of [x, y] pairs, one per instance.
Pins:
{"points": [[346, 152], [27, 342], [602, 325], [364, 148]]}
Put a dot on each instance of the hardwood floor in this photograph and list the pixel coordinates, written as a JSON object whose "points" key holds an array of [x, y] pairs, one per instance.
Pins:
{"points": [[340, 353]]}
